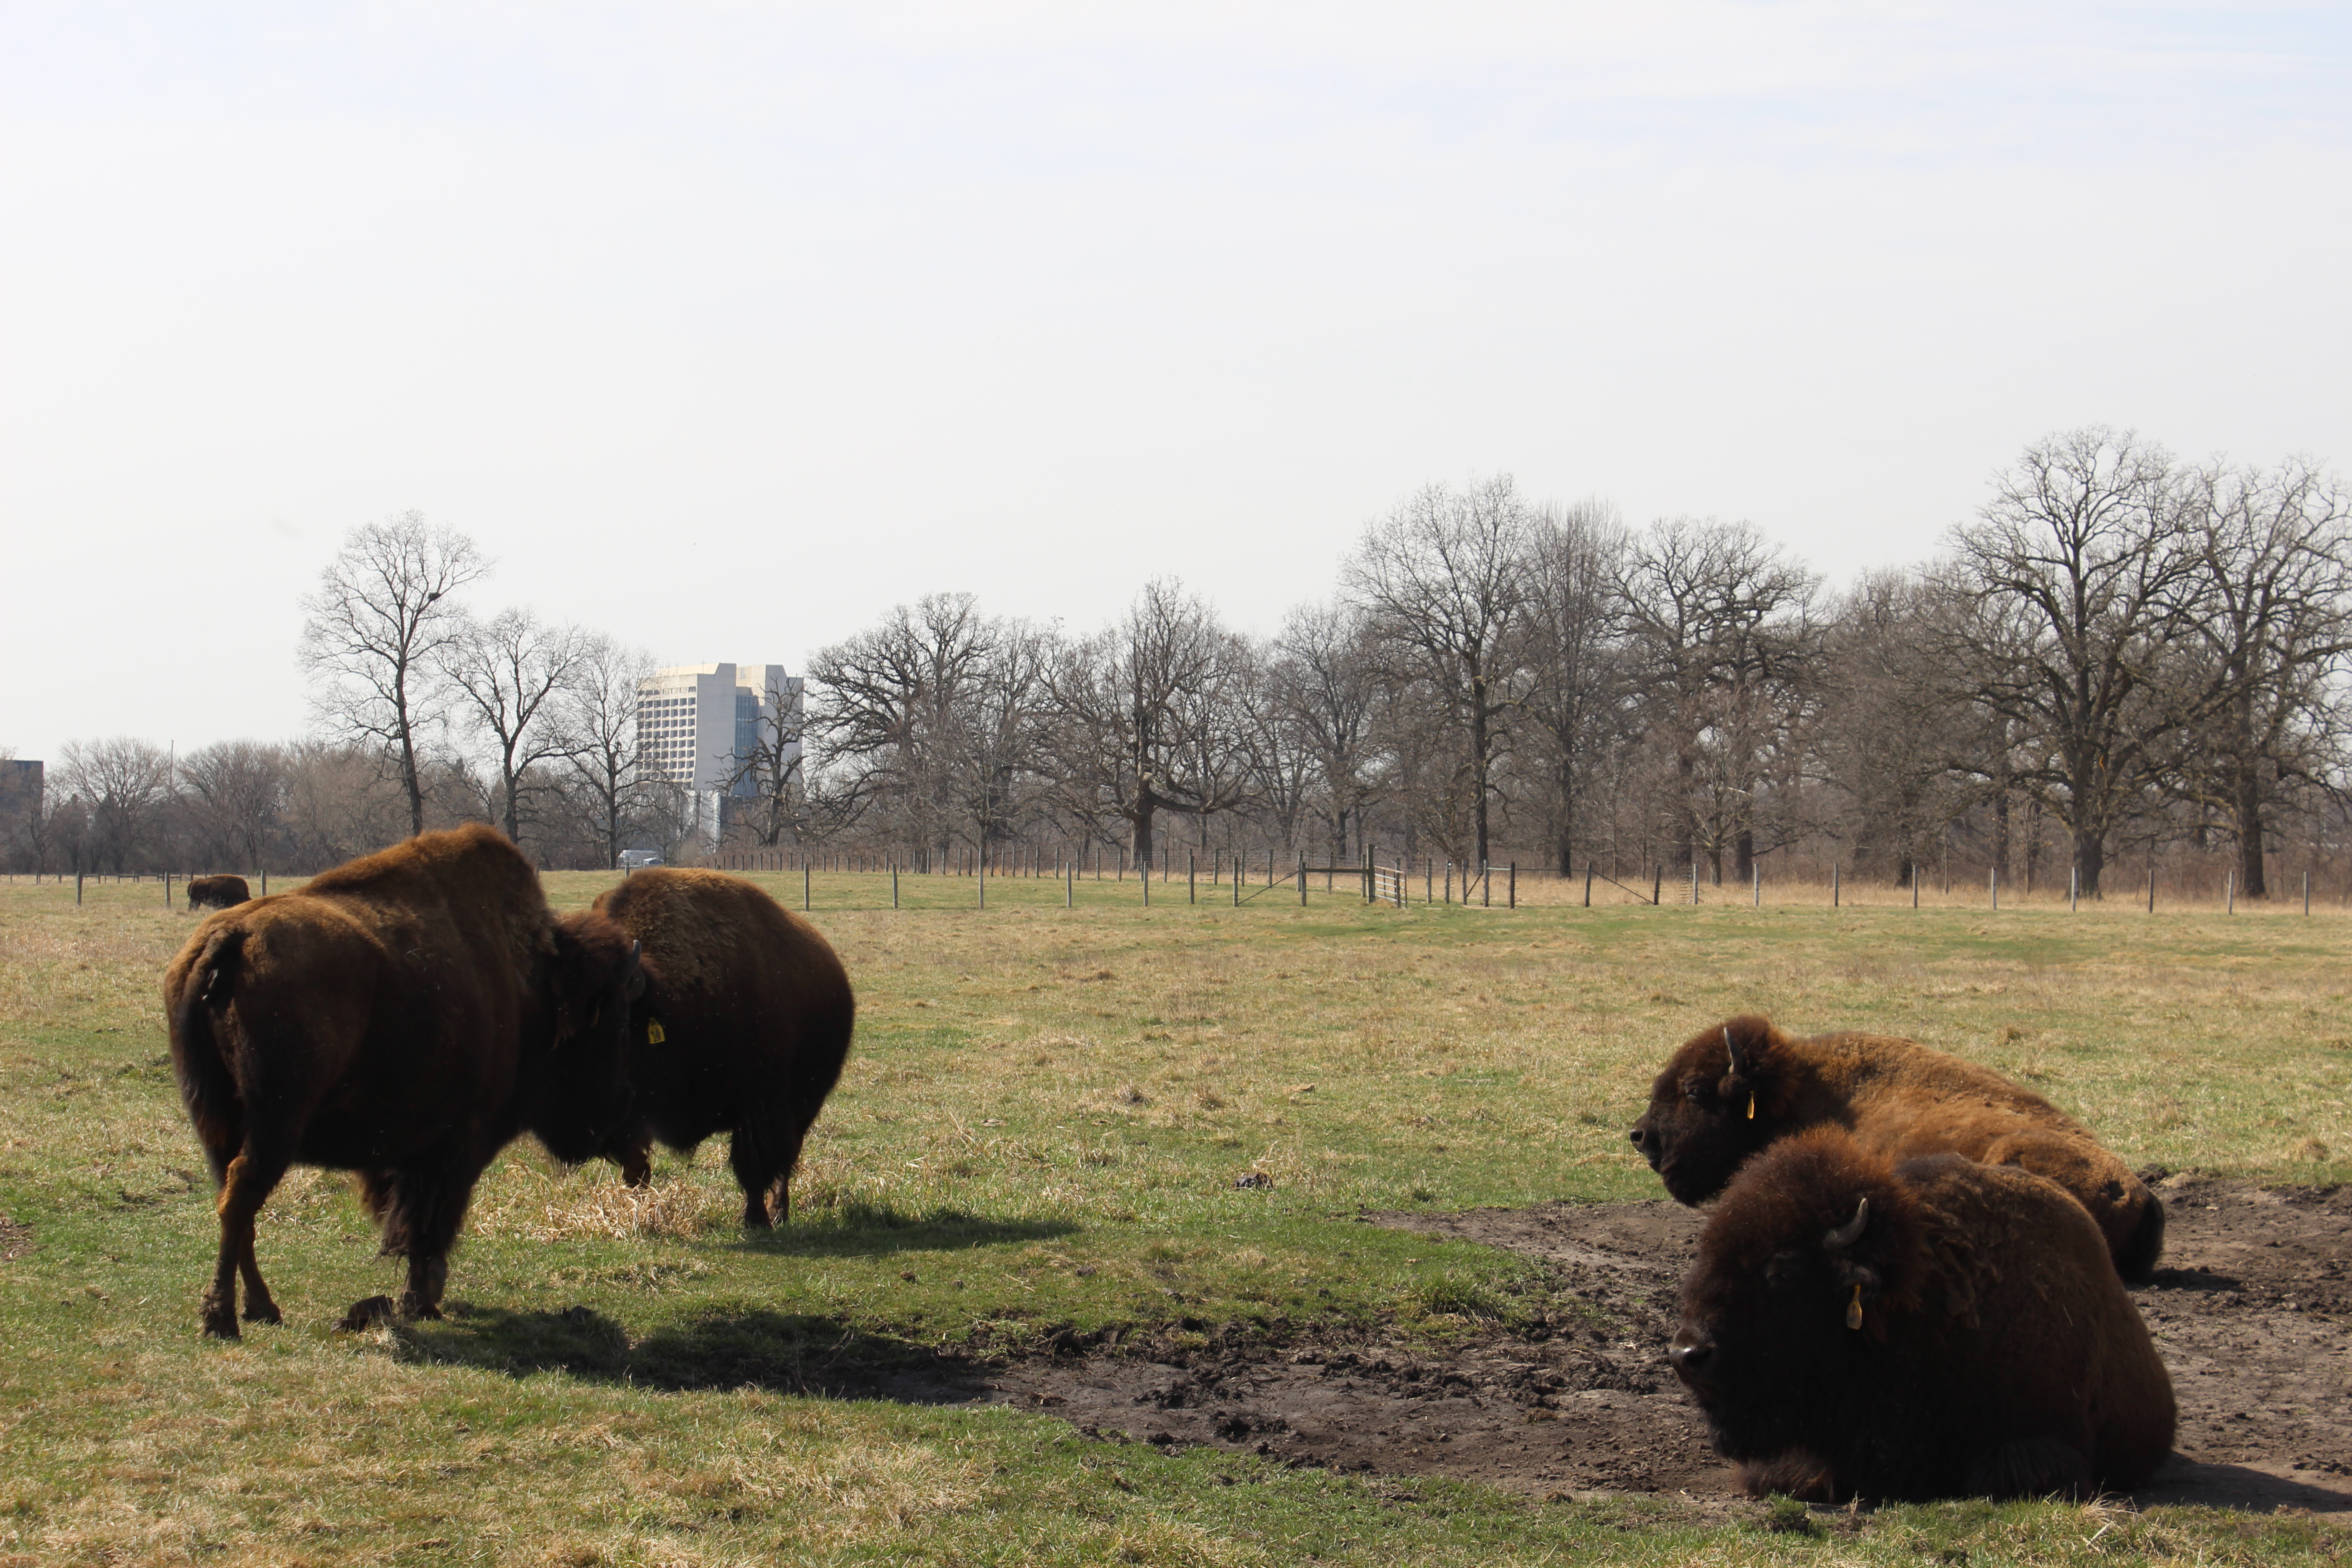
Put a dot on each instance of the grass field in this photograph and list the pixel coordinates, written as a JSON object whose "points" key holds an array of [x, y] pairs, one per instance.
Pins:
{"points": [[1041, 1129]]}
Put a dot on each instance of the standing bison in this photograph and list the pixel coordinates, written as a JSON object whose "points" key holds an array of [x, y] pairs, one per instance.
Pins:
{"points": [[404, 1016], [743, 1027], [1737, 1087], [1856, 1328], [216, 894]]}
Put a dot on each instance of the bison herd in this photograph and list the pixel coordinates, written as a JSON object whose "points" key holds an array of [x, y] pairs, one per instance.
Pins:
{"points": [[1911, 1284], [407, 1016]]}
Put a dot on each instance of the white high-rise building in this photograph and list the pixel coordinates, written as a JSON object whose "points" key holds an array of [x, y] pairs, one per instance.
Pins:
{"points": [[701, 725]]}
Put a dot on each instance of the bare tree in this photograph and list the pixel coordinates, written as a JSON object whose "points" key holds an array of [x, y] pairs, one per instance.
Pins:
{"points": [[509, 673], [2077, 581], [2272, 612], [377, 627], [1324, 680], [1144, 716], [1891, 726], [125, 783], [234, 793], [892, 705], [1443, 579], [594, 726], [1722, 635], [1571, 645]]}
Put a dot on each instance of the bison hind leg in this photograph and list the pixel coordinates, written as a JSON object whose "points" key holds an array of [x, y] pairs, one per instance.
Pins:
{"points": [[761, 1156], [1799, 1473], [2030, 1467]]}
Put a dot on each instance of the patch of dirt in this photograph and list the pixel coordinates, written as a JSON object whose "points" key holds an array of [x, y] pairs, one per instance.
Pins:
{"points": [[2250, 1312], [15, 1240]]}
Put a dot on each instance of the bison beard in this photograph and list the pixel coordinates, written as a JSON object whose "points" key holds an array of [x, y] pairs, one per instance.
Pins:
{"points": [[1854, 1328], [402, 1017], [1735, 1088], [743, 1027]]}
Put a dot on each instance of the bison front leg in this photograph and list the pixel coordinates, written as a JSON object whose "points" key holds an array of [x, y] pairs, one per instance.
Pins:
{"points": [[427, 1277], [246, 1186]]}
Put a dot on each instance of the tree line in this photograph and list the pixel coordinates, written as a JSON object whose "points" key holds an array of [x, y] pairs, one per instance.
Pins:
{"points": [[2120, 653]]}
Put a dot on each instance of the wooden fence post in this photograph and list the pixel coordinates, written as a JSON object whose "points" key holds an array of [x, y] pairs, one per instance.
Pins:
{"points": [[1836, 889], [1302, 878], [894, 884], [1756, 869], [1192, 877], [1515, 884], [2228, 892], [1588, 884], [2306, 895], [1992, 886], [804, 882]]}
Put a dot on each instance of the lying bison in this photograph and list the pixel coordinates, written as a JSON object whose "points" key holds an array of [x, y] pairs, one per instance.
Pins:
{"points": [[743, 1027], [216, 894], [1737, 1087], [404, 1016], [1856, 1328]]}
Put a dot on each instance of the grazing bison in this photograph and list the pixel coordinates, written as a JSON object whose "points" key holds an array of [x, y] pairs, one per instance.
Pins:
{"points": [[743, 1025], [1857, 1328], [1737, 1087], [404, 1016], [217, 893]]}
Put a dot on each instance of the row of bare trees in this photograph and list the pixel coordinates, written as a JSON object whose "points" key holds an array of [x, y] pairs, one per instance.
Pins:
{"points": [[2119, 651]]}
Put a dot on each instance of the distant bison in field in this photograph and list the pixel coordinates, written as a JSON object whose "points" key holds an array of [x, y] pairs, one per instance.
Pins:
{"points": [[404, 1016], [217, 893], [743, 1027], [1856, 1328], [1736, 1088]]}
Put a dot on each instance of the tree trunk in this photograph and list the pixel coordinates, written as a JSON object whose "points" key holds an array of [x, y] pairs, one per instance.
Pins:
{"points": [[2247, 807], [1743, 855], [2090, 859]]}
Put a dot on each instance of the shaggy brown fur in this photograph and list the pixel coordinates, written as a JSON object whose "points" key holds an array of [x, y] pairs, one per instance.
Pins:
{"points": [[216, 892], [404, 1016], [1897, 1097], [754, 1013], [1967, 1335]]}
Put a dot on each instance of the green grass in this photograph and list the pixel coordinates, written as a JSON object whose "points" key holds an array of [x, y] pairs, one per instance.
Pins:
{"points": [[1040, 1132]]}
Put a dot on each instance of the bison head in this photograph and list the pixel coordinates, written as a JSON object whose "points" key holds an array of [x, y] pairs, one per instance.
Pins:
{"points": [[1804, 1272], [1712, 1108], [593, 975]]}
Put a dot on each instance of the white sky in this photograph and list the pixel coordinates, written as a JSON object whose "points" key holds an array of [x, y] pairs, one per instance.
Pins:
{"points": [[728, 326]]}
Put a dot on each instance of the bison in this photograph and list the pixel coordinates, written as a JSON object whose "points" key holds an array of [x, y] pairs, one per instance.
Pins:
{"points": [[1734, 1089], [216, 894], [404, 1016], [1859, 1328], [743, 1027]]}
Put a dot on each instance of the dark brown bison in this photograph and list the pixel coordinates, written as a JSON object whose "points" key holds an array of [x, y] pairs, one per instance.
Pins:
{"points": [[743, 1027], [1858, 1328], [216, 892], [1736, 1087], [404, 1016]]}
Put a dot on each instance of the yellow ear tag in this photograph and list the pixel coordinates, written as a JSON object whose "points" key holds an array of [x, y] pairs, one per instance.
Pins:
{"points": [[1751, 1107], [1853, 1309], [654, 1036]]}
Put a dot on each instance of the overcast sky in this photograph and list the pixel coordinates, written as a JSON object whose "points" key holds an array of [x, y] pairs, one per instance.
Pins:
{"points": [[726, 327]]}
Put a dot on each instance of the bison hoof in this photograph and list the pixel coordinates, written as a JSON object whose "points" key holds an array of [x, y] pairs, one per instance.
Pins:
{"points": [[367, 1314], [636, 1173], [264, 1313], [219, 1315], [415, 1309]]}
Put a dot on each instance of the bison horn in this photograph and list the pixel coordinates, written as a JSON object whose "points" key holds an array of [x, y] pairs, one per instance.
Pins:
{"points": [[1731, 1049], [1849, 1233]]}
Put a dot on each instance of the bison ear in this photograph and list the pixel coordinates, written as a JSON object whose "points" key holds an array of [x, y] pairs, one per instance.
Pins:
{"points": [[1737, 1088]]}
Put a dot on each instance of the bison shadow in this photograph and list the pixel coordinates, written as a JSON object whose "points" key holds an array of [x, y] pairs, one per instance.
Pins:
{"points": [[2203, 1279], [876, 1230], [785, 1352], [2194, 1483]]}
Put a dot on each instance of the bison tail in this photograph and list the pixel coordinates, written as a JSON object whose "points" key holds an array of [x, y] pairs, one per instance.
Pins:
{"points": [[2136, 1257], [207, 1085]]}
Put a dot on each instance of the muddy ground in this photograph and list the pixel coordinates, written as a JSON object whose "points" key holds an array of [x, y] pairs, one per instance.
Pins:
{"points": [[2251, 1312]]}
